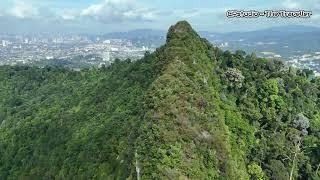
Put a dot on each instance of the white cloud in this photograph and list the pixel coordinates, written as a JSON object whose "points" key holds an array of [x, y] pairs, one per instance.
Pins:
{"points": [[315, 18], [198, 12], [23, 10], [68, 17], [306, 5], [292, 4], [184, 13], [316, 5], [67, 14], [92, 10], [111, 11], [108, 11]]}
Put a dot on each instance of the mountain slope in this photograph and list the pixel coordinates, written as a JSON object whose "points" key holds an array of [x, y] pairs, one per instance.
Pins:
{"points": [[189, 136], [186, 111]]}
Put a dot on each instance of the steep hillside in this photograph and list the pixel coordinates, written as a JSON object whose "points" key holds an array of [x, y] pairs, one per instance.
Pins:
{"points": [[189, 136], [186, 111]]}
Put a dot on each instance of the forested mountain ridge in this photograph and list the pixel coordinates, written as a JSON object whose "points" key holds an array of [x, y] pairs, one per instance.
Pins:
{"points": [[186, 111]]}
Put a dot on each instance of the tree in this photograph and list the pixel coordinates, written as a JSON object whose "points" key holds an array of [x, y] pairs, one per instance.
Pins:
{"points": [[315, 125], [301, 123], [255, 171], [271, 87], [277, 170], [234, 77]]}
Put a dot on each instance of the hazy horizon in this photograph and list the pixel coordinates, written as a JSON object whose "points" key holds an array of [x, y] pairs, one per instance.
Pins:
{"points": [[164, 31], [105, 16]]}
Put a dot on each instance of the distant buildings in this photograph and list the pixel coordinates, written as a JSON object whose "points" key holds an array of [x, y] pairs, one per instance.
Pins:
{"points": [[80, 49], [106, 56], [4, 44], [106, 42]]}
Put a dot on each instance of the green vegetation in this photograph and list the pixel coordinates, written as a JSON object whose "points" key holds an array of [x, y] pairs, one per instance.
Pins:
{"points": [[186, 111]]}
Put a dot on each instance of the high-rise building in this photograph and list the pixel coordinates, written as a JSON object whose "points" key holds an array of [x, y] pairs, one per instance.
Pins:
{"points": [[106, 56], [4, 43]]}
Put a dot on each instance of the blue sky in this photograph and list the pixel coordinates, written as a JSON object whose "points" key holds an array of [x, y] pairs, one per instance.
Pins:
{"points": [[103, 16]]}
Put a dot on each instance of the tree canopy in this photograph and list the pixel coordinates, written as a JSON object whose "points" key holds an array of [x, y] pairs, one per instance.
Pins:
{"points": [[186, 111]]}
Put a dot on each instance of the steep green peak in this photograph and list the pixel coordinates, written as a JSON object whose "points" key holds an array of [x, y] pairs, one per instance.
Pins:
{"points": [[182, 30]]}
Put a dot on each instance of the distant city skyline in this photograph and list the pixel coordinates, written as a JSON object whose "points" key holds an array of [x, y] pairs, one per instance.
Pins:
{"points": [[104, 16]]}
